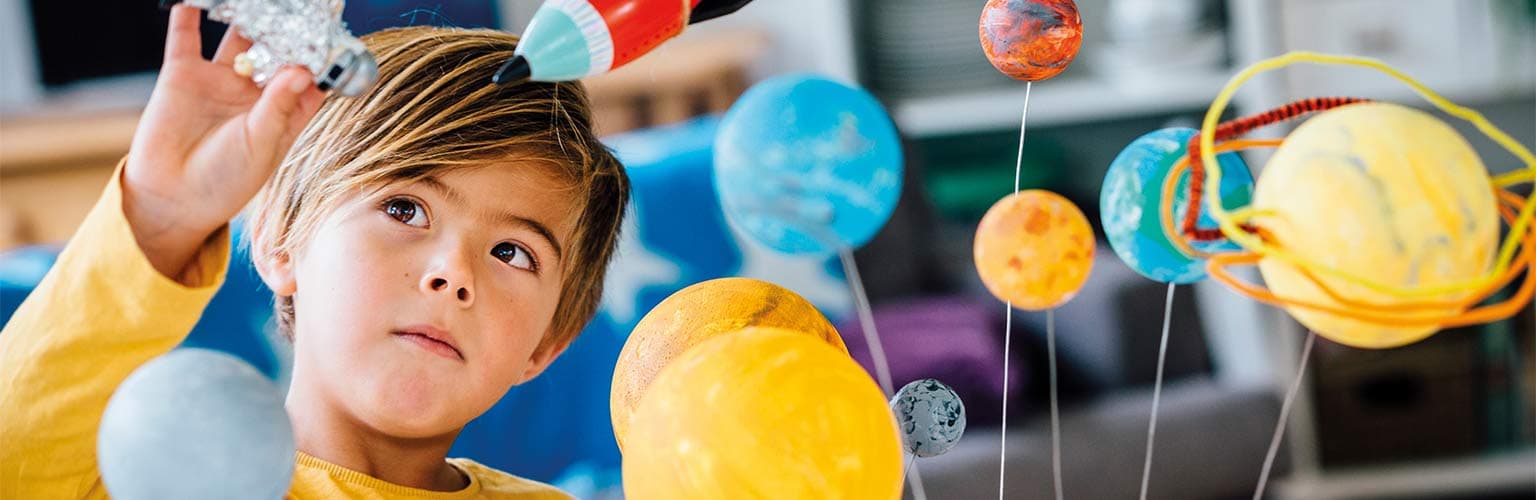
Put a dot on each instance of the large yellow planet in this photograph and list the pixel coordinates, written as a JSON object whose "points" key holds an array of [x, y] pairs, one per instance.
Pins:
{"points": [[1034, 249], [763, 413], [698, 313], [1382, 191]]}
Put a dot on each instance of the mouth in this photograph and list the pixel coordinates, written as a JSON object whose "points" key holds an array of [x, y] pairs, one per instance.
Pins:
{"points": [[431, 339]]}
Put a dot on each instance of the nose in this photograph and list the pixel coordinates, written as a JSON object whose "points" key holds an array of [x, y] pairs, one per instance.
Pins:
{"points": [[451, 275]]}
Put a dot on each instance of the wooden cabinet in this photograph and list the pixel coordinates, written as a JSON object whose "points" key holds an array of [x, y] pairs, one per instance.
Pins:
{"points": [[52, 169]]}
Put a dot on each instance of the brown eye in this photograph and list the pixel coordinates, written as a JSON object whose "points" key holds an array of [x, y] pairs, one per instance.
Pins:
{"points": [[406, 211], [517, 256]]}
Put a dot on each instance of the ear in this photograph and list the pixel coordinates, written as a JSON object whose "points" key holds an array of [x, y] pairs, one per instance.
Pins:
{"points": [[542, 357], [276, 270]]}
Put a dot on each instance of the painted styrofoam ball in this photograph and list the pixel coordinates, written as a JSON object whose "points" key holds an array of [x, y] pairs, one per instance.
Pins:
{"points": [[1389, 194], [1034, 249], [1031, 40], [930, 416], [807, 166], [196, 423], [1131, 205], [763, 413]]}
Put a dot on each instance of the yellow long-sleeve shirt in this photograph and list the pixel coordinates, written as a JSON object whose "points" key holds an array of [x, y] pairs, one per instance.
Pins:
{"points": [[103, 311]]}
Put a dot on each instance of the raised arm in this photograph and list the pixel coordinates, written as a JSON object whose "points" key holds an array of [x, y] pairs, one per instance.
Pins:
{"points": [[135, 277]]}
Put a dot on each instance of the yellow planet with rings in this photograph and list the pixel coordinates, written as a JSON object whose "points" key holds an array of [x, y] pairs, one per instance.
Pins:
{"points": [[764, 413], [697, 313], [1034, 249], [1384, 192]]}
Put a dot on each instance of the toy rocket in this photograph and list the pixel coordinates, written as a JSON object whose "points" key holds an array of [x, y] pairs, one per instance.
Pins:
{"points": [[573, 39]]}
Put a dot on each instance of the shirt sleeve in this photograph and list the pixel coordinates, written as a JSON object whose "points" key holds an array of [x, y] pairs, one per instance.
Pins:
{"points": [[99, 313]]}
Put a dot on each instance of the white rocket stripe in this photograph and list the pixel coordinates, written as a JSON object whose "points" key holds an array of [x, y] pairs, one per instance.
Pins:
{"points": [[594, 29]]}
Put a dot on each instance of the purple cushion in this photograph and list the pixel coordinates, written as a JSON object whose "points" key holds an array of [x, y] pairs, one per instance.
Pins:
{"points": [[957, 340]]}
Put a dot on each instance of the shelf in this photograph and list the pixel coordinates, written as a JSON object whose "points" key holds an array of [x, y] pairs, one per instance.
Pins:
{"points": [[1511, 83], [1083, 100], [29, 144], [1055, 102], [1460, 476]]}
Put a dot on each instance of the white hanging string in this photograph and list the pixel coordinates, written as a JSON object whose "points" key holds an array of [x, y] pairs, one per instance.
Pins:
{"points": [[1018, 163], [867, 321], [916, 478], [1050, 347], [1002, 460], [1157, 391], [1285, 412]]}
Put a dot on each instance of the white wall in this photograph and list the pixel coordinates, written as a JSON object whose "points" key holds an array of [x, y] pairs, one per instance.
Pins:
{"points": [[19, 84]]}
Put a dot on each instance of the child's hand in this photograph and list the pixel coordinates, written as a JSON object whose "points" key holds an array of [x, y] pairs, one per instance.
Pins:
{"points": [[206, 143]]}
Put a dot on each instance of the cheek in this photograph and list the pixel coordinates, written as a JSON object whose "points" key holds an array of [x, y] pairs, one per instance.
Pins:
{"points": [[515, 321], [344, 278]]}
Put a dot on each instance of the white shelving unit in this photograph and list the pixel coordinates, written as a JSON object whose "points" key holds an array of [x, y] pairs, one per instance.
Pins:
{"points": [[1054, 102], [1474, 76]]}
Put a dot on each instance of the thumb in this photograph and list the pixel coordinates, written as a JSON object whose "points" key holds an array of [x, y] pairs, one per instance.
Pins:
{"points": [[284, 108]]}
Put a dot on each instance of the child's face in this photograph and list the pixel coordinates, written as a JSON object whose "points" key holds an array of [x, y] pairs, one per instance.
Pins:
{"points": [[418, 305]]}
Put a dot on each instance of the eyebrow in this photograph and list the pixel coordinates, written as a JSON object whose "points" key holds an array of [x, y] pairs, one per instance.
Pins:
{"points": [[507, 218]]}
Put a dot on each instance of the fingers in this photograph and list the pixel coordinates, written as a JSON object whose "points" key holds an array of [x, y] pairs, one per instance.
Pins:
{"points": [[286, 105], [184, 39], [232, 45]]}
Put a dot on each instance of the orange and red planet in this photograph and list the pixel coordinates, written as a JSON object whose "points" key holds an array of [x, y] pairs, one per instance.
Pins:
{"points": [[1030, 40]]}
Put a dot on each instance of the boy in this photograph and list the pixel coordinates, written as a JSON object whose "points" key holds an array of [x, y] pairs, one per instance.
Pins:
{"points": [[431, 243]]}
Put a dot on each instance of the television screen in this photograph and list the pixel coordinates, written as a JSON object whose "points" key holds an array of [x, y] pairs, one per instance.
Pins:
{"points": [[79, 41]]}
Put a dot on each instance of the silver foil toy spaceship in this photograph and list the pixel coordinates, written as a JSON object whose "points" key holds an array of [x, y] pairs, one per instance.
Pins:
{"points": [[306, 33]]}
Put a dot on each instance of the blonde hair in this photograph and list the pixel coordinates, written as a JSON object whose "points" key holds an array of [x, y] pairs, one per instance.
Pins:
{"points": [[434, 108]]}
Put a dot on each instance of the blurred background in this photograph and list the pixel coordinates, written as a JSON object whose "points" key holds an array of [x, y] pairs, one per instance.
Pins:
{"points": [[1451, 417]]}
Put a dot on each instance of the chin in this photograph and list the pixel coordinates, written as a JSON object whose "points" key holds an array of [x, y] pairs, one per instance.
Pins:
{"points": [[399, 418], [412, 407]]}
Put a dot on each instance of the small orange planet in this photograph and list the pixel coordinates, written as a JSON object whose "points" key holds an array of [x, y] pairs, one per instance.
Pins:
{"points": [[1031, 40], [696, 314], [1034, 249]]}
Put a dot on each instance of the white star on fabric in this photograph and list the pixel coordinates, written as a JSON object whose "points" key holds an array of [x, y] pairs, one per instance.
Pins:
{"points": [[634, 268]]}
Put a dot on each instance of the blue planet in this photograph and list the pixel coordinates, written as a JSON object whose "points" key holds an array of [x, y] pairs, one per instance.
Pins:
{"points": [[807, 165], [1131, 198]]}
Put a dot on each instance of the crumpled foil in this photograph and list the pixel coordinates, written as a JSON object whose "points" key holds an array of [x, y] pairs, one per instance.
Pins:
{"points": [[307, 33]]}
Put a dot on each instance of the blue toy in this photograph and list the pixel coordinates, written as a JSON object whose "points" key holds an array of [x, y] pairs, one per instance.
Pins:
{"points": [[807, 165], [1132, 197]]}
